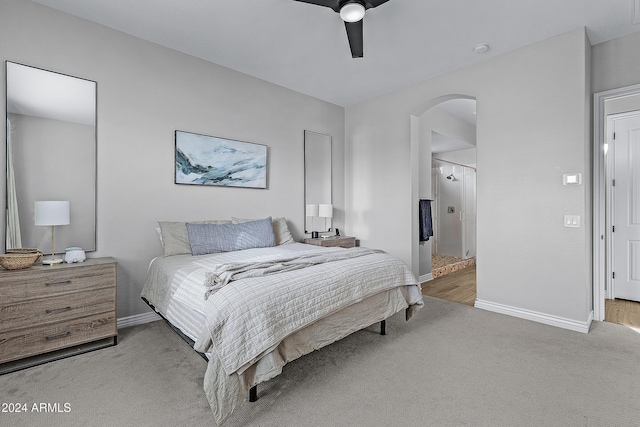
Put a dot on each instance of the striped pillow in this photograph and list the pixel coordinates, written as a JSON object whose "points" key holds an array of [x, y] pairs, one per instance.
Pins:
{"points": [[215, 238]]}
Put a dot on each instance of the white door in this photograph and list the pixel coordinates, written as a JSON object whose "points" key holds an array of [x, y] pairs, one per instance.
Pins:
{"points": [[626, 206]]}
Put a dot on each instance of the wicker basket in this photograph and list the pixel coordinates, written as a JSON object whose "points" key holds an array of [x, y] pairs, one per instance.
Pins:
{"points": [[26, 251], [16, 259]]}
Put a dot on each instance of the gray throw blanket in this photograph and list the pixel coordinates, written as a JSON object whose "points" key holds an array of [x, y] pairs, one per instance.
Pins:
{"points": [[222, 274]]}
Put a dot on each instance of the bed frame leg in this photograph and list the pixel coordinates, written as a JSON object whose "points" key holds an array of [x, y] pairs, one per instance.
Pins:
{"points": [[383, 327], [253, 393]]}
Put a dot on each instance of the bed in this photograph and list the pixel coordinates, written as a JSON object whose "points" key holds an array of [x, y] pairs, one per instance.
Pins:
{"points": [[253, 309]]}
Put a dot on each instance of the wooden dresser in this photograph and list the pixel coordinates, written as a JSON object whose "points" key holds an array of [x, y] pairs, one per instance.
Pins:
{"points": [[45, 309], [341, 241]]}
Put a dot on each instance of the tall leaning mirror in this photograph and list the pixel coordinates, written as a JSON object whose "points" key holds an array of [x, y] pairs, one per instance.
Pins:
{"points": [[51, 156], [317, 182]]}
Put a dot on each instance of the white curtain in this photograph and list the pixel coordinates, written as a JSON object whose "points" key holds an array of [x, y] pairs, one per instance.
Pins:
{"points": [[14, 239]]}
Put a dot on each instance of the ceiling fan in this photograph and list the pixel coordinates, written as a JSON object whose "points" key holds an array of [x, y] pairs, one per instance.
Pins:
{"points": [[352, 13]]}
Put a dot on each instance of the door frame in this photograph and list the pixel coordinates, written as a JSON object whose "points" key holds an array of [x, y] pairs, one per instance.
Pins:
{"points": [[600, 229]]}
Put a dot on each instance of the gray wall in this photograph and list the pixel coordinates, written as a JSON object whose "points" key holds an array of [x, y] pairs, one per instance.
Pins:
{"points": [[145, 93], [533, 125], [616, 63]]}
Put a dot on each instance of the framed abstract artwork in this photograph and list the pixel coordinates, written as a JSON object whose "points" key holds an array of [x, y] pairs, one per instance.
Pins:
{"points": [[208, 160]]}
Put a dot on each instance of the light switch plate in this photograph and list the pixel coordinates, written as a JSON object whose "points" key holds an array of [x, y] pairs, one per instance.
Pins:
{"points": [[572, 220]]}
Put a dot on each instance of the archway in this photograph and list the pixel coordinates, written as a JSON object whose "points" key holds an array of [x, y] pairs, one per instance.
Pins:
{"points": [[449, 123]]}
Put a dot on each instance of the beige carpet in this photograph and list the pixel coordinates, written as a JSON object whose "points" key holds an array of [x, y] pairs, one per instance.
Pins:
{"points": [[452, 365]]}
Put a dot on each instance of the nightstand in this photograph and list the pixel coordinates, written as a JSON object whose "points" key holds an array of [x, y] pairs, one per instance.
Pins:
{"points": [[341, 241], [49, 312]]}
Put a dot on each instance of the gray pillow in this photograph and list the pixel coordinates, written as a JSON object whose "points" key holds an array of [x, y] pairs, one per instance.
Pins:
{"points": [[174, 238], [280, 229], [215, 238]]}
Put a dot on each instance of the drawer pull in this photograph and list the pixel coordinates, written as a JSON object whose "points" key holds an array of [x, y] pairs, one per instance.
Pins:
{"points": [[53, 337], [58, 310], [63, 282]]}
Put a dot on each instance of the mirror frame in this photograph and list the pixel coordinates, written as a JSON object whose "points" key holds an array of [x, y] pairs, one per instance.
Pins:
{"points": [[318, 164], [89, 244]]}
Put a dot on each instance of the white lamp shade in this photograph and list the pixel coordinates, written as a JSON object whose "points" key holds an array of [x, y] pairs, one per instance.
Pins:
{"points": [[52, 213], [325, 210], [312, 210]]}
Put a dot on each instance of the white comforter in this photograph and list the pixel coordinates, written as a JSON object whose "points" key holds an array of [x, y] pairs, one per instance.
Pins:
{"points": [[248, 319]]}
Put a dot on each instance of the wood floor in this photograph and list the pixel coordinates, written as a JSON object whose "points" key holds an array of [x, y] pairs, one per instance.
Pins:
{"points": [[623, 312], [460, 287]]}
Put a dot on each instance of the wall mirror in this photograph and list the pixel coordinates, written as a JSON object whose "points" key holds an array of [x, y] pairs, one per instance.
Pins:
{"points": [[51, 155], [317, 181]]}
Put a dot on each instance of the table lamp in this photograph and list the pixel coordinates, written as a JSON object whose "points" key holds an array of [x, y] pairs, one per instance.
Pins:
{"points": [[52, 213], [312, 211], [325, 210]]}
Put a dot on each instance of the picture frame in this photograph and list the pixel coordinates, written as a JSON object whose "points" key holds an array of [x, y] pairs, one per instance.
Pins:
{"points": [[210, 160]]}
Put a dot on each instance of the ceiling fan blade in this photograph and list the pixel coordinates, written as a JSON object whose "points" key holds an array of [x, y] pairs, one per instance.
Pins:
{"points": [[369, 4], [337, 4], [354, 33], [333, 4], [354, 29]]}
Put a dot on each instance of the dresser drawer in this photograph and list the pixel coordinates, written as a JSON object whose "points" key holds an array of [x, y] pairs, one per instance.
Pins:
{"points": [[32, 283], [54, 309], [20, 343]]}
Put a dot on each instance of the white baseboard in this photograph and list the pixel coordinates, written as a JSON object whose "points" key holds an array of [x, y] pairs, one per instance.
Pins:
{"points": [[425, 277], [137, 319], [535, 316]]}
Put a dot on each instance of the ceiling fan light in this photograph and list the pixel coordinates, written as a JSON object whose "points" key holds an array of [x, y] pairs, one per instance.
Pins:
{"points": [[352, 12]]}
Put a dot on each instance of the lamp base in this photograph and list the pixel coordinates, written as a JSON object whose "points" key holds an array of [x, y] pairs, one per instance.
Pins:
{"points": [[52, 261]]}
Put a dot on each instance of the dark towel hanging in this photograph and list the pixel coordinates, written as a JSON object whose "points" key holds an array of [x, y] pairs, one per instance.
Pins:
{"points": [[426, 226]]}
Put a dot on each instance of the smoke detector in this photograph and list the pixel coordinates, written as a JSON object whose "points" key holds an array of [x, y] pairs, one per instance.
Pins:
{"points": [[481, 48]]}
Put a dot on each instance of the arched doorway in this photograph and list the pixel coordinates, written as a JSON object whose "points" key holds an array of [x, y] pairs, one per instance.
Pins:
{"points": [[443, 158]]}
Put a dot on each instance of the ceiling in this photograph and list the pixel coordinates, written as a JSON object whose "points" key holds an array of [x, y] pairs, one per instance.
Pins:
{"points": [[444, 144], [304, 47]]}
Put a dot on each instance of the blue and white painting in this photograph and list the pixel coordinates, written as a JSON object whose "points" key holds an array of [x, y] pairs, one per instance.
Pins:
{"points": [[207, 160]]}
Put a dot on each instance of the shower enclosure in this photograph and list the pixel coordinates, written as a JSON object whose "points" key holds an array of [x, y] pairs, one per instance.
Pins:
{"points": [[454, 214]]}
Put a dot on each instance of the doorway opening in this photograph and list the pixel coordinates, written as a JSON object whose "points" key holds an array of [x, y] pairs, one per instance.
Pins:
{"points": [[622, 170], [616, 263], [446, 149]]}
